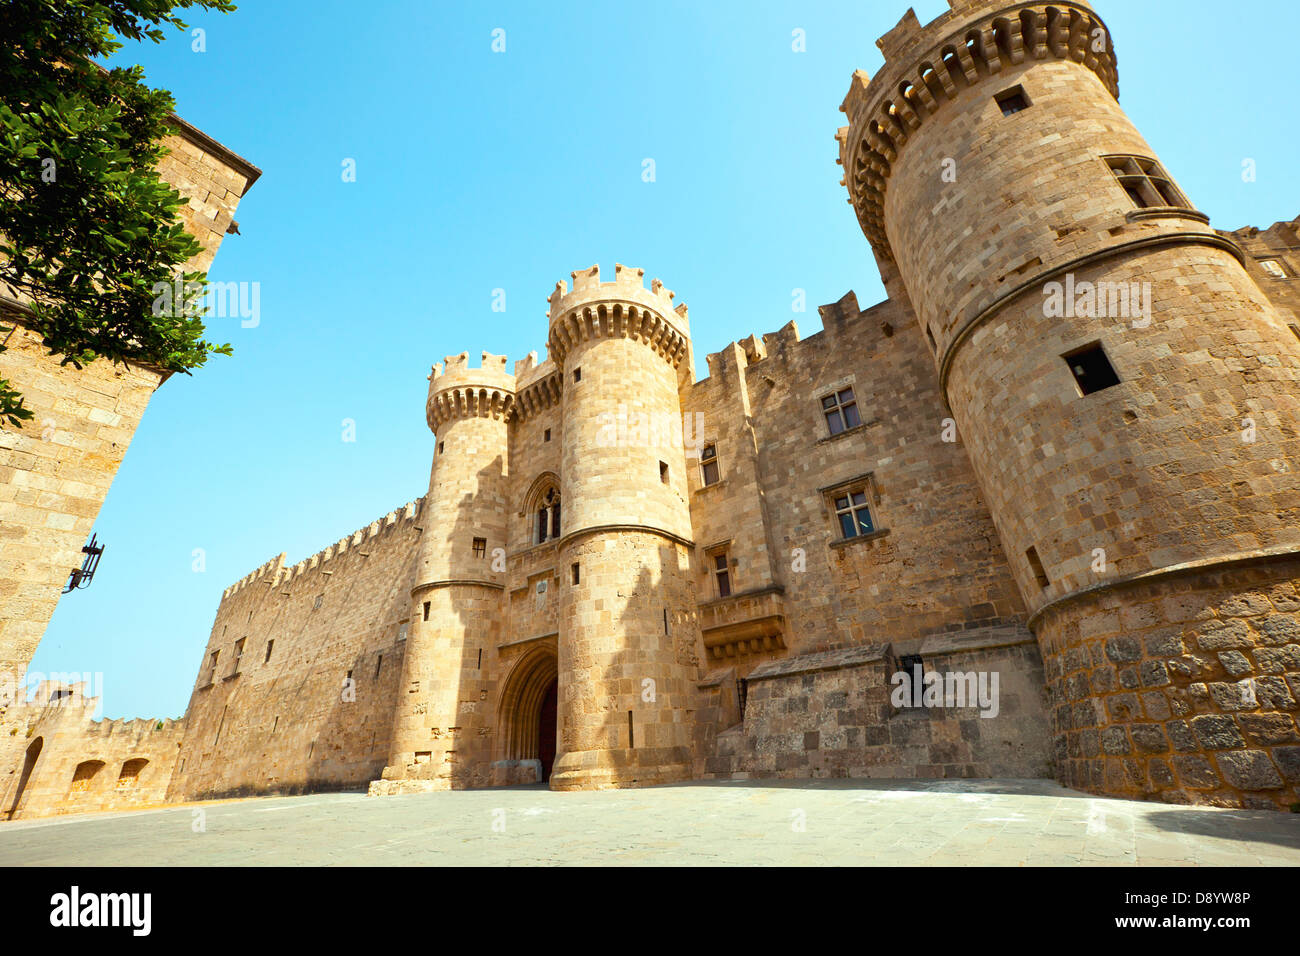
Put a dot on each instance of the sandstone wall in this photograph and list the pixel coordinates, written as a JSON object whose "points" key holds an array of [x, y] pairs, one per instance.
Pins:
{"points": [[291, 721], [56, 470], [935, 558], [81, 765], [834, 714]]}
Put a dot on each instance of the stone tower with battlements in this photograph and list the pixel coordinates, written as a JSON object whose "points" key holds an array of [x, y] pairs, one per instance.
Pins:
{"points": [[1125, 390], [438, 731], [627, 635]]}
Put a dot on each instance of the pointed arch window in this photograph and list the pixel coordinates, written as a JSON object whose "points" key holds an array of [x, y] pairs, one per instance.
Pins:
{"points": [[547, 517]]}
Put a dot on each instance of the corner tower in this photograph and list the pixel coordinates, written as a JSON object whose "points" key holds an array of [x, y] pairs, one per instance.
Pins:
{"points": [[1128, 396], [442, 724], [627, 630]]}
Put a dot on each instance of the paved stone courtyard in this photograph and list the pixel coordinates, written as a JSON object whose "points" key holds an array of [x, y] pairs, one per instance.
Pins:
{"points": [[981, 822]]}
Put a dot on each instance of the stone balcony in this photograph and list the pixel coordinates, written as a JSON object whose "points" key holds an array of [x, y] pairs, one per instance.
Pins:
{"points": [[745, 623]]}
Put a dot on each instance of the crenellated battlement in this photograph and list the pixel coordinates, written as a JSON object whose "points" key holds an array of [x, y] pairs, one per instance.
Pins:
{"points": [[270, 567], [276, 573], [71, 697], [622, 308], [458, 391], [926, 67]]}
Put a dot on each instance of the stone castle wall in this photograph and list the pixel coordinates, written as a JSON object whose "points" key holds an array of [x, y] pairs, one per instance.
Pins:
{"points": [[934, 560], [308, 704], [56, 471], [70, 763]]}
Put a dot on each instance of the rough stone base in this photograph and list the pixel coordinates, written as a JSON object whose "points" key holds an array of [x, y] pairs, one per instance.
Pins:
{"points": [[830, 714], [1183, 689], [618, 769]]}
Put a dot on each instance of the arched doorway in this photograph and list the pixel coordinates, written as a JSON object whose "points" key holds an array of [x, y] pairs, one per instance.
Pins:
{"points": [[529, 712], [29, 763], [547, 728]]}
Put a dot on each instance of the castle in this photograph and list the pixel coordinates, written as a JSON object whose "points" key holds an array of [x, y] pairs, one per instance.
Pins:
{"points": [[1056, 468]]}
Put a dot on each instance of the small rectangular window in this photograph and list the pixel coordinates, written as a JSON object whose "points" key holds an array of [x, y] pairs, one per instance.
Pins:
{"points": [[239, 655], [379, 664], [841, 411], [480, 547], [1273, 268], [440, 446], [546, 435], [577, 375], [663, 472], [269, 646], [1013, 100], [709, 464], [1036, 565], [426, 610], [576, 574], [1295, 330], [720, 568], [1091, 369]]}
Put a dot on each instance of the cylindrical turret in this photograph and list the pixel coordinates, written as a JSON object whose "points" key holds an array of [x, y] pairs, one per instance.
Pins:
{"points": [[456, 604], [627, 639], [1127, 394]]}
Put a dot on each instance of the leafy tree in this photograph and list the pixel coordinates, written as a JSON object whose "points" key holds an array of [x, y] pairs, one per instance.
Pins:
{"points": [[88, 230]]}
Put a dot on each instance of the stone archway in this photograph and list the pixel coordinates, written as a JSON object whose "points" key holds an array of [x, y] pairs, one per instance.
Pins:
{"points": [[29, 763], [528, 714]]}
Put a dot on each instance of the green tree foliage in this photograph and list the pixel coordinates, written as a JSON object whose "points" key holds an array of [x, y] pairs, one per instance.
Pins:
{"points": [[88, 231]]}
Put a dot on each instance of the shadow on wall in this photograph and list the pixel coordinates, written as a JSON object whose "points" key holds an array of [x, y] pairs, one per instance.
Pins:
{"points": [[29, 763]]}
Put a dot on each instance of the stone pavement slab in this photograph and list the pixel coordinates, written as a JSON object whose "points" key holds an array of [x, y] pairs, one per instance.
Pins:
{"points": [[800, 822]]}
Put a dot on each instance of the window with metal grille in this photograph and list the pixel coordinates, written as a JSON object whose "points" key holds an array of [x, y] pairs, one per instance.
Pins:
{"points": [[480, 547], [841, 411], [709, 464], [1146, 182], [853, 511], [1013, 100]]}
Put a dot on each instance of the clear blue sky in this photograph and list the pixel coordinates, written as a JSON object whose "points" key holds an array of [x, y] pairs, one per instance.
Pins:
{"points": [[478, 171]]}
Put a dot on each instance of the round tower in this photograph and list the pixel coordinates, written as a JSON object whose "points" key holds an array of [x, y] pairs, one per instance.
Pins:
{"points": [[627, 639], [1126, 393], [456, 603]]}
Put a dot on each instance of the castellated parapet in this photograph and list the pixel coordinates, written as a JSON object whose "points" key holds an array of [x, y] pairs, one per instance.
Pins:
{"points": [[74, 764]]}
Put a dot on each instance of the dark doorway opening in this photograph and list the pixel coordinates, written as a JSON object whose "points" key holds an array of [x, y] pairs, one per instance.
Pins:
{"points": [[547, 729], [33, 754]]}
